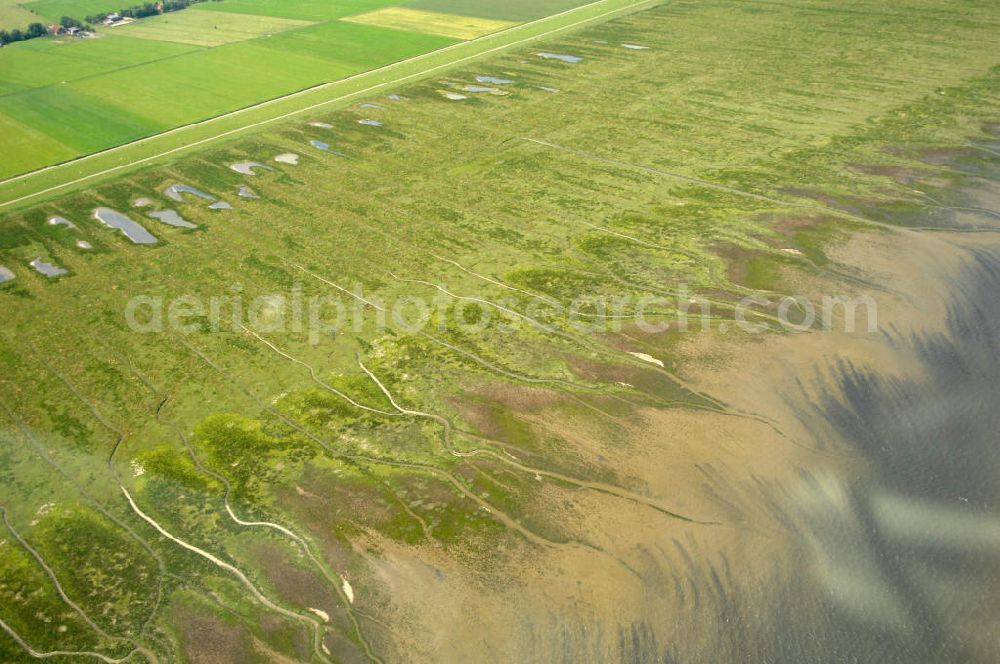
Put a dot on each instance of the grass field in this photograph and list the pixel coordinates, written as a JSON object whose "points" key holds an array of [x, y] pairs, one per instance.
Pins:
{"points": [[43, 62], [355, 45], [82, 122], [434, 23], [222, 79], [24, 142], [184, 67], [170, 84], [516, 459], [206, 28], [53, 10], [307, 10], [14, 15], [510, 10]]}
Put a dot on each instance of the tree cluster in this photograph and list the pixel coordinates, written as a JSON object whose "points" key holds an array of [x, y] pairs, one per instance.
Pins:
{"points": [[66, 22], [34, 30], [143, 10]]}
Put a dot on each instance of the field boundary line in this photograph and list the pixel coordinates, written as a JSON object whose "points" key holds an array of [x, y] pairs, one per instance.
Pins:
{"points": [[634, 6]]}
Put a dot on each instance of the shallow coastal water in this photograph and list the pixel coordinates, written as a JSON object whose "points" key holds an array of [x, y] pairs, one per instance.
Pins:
{"points": [[893, 513], [570, 59], [131, 229], [48, 269], [171, 218], [900, 558], [495, 80], [175, 192]]}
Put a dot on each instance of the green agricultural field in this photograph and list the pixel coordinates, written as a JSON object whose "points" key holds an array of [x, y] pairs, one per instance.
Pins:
{"points": [[45, 62], [206, 28], [355, 45], [211, 82], [185, 67], [233, 445], [509, 10], [435, 23], [53, 10], [23, 141], [307, 10], [85, 123], [14, 15]]}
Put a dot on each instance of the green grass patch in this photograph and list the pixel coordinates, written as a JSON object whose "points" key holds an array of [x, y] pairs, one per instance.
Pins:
{"points": [[356, 45], [197, 86], [309, 10], [508, 10], [13, 15], [207, 83], [26, 148], [42, 62], [53, 10], [81, 121], [207, 28]]}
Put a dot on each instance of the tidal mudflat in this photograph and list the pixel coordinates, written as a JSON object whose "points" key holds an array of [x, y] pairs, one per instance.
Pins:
{"points": [[894, 504], [702, 472]]}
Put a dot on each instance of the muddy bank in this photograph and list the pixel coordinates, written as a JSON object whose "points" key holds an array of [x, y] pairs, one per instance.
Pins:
{"points": [[844, 503], [895, 519]]}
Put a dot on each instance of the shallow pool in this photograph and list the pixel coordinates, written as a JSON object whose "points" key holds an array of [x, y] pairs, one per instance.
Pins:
{"points": [[117, 220]]}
